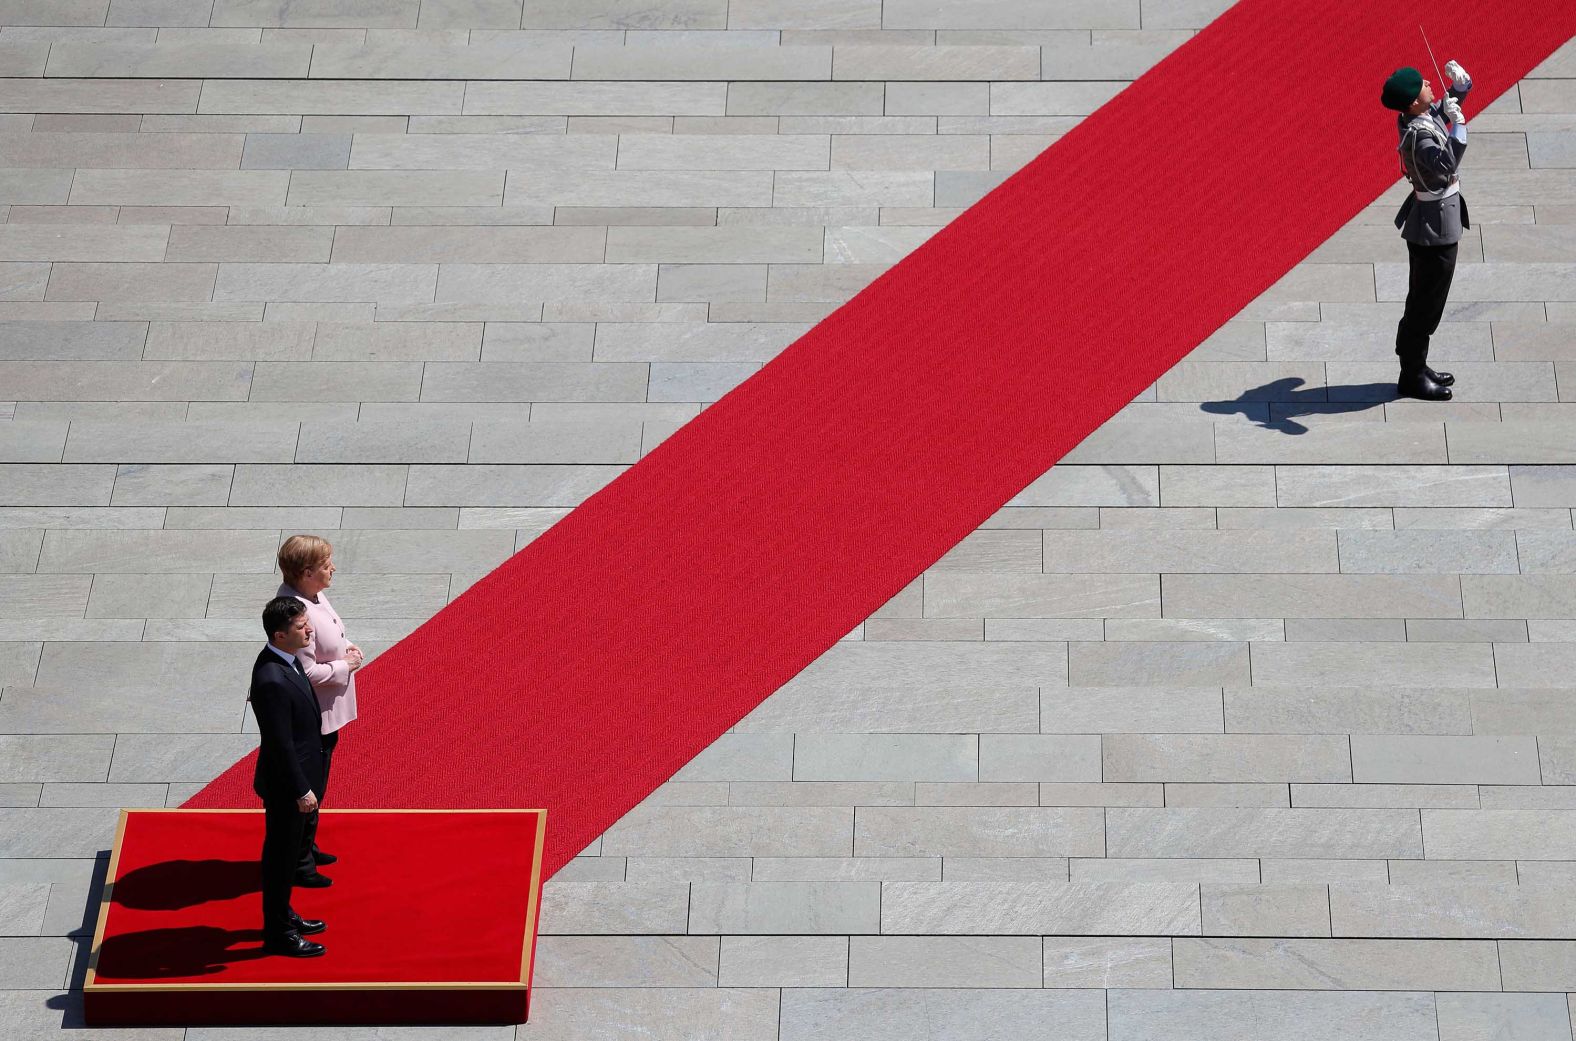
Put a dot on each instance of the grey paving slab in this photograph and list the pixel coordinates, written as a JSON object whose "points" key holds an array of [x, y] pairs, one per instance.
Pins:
{"points": [[1335, 443], [1104, 869], [505, 486], [1176, 552], [820, 793], [1274, 833], [785, 907], [625, 961], [1536, 965], [181, 443], [1420, 759], [1243, 486], [56, 833], [100, 95], [886, 707], [1162, 1015], [163, 758], [1350, 664], [1270, 909], [1458, 911], [1229, 794], [846, 869], [1386, 486], [614, 908], [1225, 758], [978, 831], [1106, 962], [1017, 908], [137, 551], [944, 961], [1428, 552], [388, 56], [784, 961], [933, 665], [1038, 870], [969, 594], [236, 341], [28, 484], [981, 793], [35, 758], [1039, 757], [1378, 795], [1521, 712], [1141, 664], [728, 831], [1453, 872], [179, 283], [1088, 794], [1533, 665], [664, 1014], [25, 442], [1494, 834], [1531, 1016], [891, 757]]}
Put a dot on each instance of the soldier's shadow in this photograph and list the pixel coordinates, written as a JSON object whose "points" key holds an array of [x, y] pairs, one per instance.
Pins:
{"points": [[1275, 405]]}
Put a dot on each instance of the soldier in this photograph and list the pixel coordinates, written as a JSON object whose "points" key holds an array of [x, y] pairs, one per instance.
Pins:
{"points": [[1433, 139]]}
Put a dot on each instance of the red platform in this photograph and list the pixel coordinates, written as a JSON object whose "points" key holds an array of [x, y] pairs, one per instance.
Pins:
{"points": [[431, 919]]}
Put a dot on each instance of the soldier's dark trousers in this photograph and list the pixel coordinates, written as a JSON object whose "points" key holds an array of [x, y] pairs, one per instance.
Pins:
{"points": [[1432, 268]]}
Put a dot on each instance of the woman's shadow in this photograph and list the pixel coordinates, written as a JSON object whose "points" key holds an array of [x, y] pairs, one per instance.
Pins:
{"points": [[1273, 405], [196, 950], [174, 884]]}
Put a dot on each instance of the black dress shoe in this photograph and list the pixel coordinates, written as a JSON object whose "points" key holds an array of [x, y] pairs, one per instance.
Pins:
{"points": [[323, 859], [1444, 379], [292, 945], [307, 926], [1419, 385], [318, 880]]}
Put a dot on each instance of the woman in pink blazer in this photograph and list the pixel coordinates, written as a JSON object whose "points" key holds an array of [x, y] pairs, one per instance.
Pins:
{"points": [[307, 564]]}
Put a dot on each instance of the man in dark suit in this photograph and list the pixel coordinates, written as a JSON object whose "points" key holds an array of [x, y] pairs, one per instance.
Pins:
{"points": [[289, 770]]}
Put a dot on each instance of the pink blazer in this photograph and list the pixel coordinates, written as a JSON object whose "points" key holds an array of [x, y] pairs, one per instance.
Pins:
{"points": [[324, 661]]}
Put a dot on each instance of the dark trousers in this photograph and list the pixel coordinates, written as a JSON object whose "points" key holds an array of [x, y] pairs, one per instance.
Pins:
{"points": [[305, 865], [1428, 286], [283, 824]]}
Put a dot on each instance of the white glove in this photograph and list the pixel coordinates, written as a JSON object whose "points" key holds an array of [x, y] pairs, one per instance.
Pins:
{"points": [[1458, 76], [1451, 108]]}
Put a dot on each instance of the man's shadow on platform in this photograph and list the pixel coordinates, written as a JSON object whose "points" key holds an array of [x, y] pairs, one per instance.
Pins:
{"points": [[174, 884], [1273, 405], [195, 950]]}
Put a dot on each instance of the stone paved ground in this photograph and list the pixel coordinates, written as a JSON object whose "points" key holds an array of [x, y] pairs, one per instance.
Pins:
{"points": [[1254, 720]]}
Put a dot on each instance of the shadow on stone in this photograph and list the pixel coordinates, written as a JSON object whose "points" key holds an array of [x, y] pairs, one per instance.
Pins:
{"points": [[1274, 405]]}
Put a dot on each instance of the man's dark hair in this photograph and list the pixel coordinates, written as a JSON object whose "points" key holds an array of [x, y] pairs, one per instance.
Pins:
{"points": [[279, 613]]}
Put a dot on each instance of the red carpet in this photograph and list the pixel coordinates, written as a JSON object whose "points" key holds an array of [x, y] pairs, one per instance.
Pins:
{"points": [[586, 670], [403, 916]]}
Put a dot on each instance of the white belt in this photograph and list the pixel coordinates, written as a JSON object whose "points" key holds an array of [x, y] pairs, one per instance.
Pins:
{"points": [[1454, 189]]}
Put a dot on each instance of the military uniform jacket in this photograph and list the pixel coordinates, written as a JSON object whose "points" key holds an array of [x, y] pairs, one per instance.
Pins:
{"points": [[1431, 158]]}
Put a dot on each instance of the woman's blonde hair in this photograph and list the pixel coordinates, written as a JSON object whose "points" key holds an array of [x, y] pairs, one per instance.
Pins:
{"points": [[301, 553]]}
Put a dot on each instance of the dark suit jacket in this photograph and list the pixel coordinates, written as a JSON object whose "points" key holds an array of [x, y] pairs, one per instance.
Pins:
{"points": [[290, 761]]}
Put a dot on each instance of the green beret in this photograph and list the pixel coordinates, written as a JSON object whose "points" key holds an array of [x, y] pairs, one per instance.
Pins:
{"points": [[1402, 88]]}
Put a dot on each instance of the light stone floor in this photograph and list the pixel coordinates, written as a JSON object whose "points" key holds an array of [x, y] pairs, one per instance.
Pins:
{"points": [[1254, 720]]}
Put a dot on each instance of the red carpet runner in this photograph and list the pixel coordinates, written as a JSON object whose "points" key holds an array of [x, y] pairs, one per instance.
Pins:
{"points": [[587, 669]]}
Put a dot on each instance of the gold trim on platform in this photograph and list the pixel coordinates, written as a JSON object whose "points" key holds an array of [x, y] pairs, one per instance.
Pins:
{"points": [[91, 984]]}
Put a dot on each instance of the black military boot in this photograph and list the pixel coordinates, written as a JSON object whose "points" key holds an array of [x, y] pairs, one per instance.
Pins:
{"points": [[1444, 379], [1422, 386]]}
